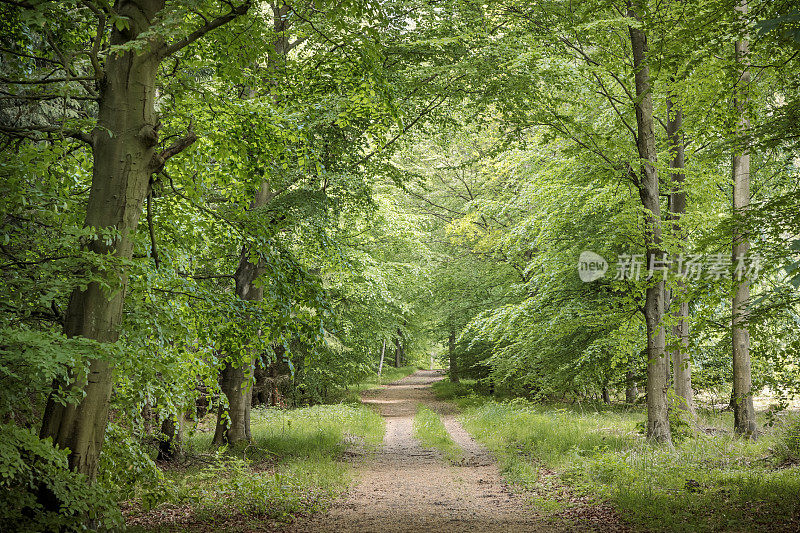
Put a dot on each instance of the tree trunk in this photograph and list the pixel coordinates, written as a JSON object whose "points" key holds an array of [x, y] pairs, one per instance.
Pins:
{"points": [[383, 353], [260, 384], [657, 370], [681, 365], [403, 360], [169, 444], [235, 383], [451, 350], [631, 390], [743, 412], [236, 376], [606, 395], [275, 371], [123, 151]]}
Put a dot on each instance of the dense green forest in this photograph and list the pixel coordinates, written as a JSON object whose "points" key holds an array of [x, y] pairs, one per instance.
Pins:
{"points": [[223, 220]]}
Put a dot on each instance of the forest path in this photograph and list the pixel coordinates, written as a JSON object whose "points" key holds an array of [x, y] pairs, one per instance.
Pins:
{"points": [[405, 487]]}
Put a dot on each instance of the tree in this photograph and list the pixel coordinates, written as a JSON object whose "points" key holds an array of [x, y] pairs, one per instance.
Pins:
{"points": [[681, 364], [743, 412], [451, 355], [657, 369], [233, 424], [131, 41]]}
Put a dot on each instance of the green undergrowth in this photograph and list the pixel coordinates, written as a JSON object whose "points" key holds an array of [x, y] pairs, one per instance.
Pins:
{"points": [[464, 392], [389, 374], [430, 431], [711, 481], [291, 467]]}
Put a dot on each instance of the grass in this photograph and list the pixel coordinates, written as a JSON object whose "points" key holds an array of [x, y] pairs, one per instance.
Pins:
{"points": [[447, 390], [430, 430], [709, 482], [290, 468]]}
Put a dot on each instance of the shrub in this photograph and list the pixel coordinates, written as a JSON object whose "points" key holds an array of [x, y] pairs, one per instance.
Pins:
{"points": [[38, 491]]}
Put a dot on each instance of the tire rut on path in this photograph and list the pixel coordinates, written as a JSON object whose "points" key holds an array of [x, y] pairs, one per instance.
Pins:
{"points": [[404, 487]]}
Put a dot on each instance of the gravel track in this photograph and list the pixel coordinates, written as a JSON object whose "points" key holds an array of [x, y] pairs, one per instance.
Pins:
{"points": [[403, 487]]}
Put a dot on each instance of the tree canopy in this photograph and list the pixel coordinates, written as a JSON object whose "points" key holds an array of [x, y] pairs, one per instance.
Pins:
{"points": [[217, 204]]}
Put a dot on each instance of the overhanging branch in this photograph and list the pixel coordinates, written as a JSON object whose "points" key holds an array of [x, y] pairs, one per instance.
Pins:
{"points": [[236, 11], [23, 132]]}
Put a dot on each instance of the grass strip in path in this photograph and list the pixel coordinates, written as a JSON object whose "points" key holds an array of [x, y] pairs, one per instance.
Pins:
{"points": [[431, 432]]}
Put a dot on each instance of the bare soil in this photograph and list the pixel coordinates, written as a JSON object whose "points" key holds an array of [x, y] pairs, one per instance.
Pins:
{"points": [[404, 487]]}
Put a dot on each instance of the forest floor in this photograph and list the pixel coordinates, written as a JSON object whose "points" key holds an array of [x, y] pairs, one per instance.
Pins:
{"points": [[400, 460], [404, 486]]}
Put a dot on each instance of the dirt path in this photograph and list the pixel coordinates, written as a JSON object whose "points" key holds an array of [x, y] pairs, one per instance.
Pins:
{"points": [[405, 487]]}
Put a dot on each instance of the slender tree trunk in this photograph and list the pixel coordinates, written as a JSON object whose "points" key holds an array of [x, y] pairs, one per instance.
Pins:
{"points": [[124, 148], [451, 350], [275, 372], [667, 305], [383, 353], [236, 382], [743, 412], [681, 365], [657, 370], [403, 360], [260, 384]]}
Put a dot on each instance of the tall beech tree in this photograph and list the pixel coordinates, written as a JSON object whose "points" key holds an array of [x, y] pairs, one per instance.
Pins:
{"points": [[131, 40], [742, 396], [648, 185], [681, 364], [233, 423]]}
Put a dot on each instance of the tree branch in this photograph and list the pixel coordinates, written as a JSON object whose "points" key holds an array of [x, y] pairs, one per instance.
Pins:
{"points": [[151, 231], [433, 104], [22, 4], [98, 39], [159, 160], [611, 101], [235, 12], [29, 56], [213, 276], [46, 80], [200, 207], [21, 132]]}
